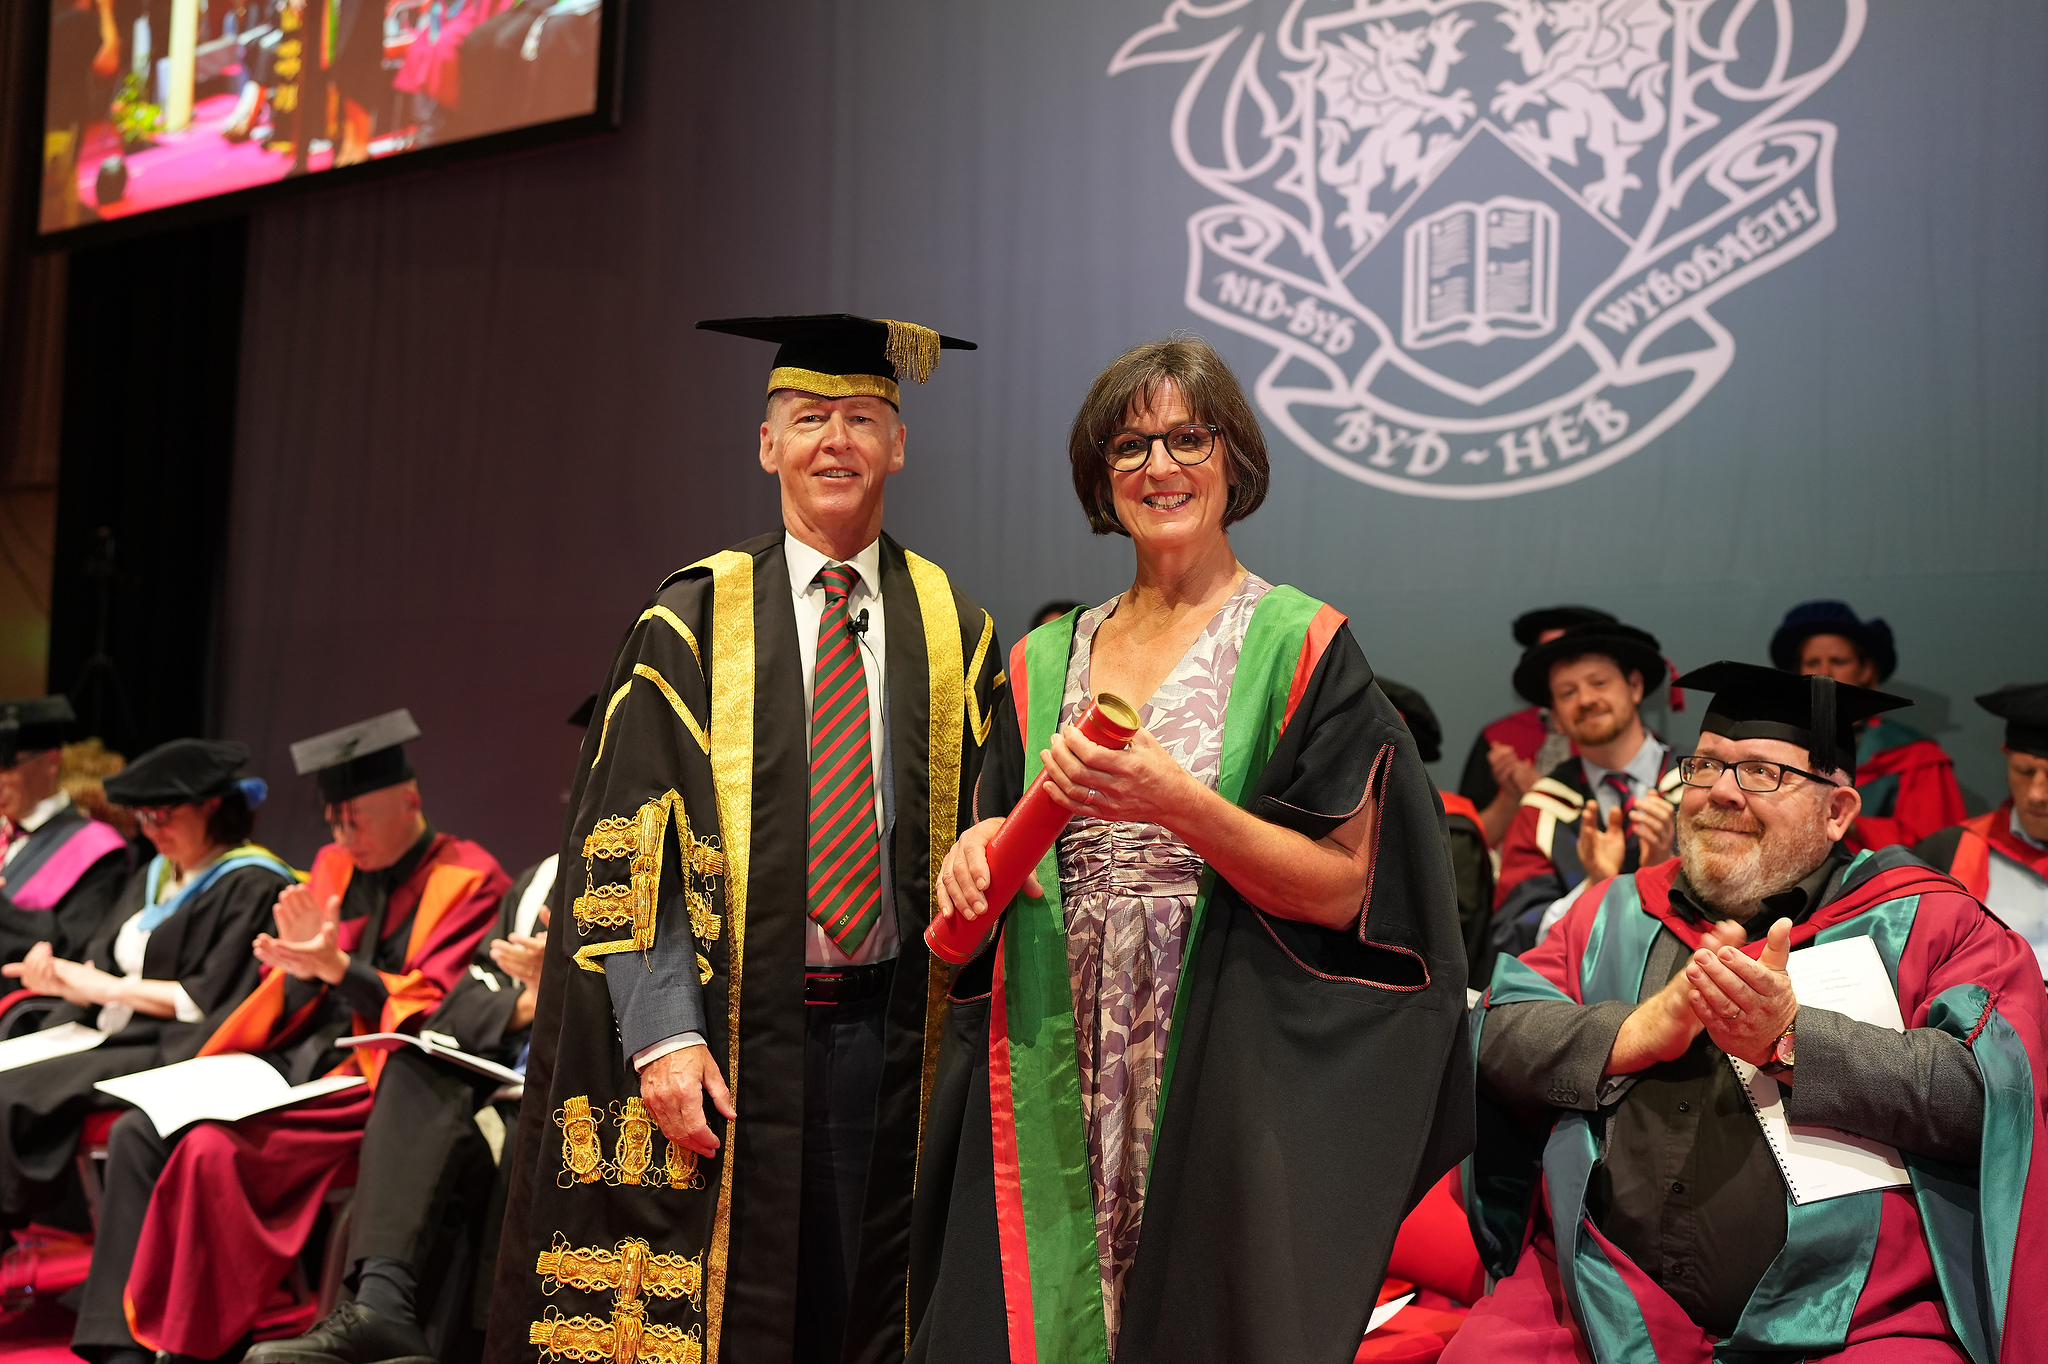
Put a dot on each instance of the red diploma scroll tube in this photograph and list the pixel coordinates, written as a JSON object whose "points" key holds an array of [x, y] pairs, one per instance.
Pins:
{"points": [[1021, 843]]}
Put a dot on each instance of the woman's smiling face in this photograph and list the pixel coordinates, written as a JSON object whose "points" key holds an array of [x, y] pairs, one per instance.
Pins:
{"points": [[1169, 507]]}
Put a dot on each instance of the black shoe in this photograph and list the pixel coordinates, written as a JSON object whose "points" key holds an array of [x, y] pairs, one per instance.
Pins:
{"points": [[352, 1334]]}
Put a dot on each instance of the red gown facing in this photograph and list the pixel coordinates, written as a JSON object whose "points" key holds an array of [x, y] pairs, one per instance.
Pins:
{"points": [[237, 1201]]}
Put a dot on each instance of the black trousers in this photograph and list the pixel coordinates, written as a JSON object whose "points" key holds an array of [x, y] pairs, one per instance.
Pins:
{"points": [[842, 1075], [136, 1155], [424, 1165]]}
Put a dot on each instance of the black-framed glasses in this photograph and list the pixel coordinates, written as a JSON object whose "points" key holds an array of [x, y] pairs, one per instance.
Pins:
{"points": [[1753, 775], [1189, 443]]}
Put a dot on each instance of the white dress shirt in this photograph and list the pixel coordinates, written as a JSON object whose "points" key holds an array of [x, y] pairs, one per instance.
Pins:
{"points": [[2018, 895], [45, 811], [804, 562], [132, 942], [807, 596]]}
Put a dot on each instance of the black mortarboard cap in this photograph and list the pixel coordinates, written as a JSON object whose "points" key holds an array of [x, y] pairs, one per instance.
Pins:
{"points": [[1631, 649], [34, 724], [360, 758], [585, 713], [1816, 712], [1531, 624], [838, 355], [178, 773], [1422, 722], [2024, 708], [1873, 637]]}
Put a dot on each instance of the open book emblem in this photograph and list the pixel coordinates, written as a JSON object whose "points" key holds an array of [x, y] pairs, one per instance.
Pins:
{"points": [[1477, 271], [1480, 241]]}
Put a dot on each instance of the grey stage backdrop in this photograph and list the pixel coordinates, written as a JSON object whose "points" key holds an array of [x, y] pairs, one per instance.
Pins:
{"points": [[477, 428]]}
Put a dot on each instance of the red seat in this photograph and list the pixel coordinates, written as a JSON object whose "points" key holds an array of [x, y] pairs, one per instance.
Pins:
{"points": [[93, 1136], [1433, 1254]]}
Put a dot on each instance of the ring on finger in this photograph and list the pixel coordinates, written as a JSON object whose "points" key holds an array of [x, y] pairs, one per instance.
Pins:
{"points": [[1087, 795]]}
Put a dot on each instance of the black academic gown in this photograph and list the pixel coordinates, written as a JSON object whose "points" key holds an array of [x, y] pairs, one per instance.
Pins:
{"points": [[69, 925], [705, 704], [1322, 1084], [205, 947]]}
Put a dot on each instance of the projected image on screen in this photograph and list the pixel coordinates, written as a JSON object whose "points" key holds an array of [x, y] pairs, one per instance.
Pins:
{"points": [[152, 103]]}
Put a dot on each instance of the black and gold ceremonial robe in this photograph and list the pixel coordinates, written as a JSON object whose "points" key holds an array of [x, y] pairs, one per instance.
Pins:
{"points": [[686, 850]]}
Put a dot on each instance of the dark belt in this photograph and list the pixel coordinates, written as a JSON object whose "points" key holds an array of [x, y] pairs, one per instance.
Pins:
{"points": [[847, 984]]}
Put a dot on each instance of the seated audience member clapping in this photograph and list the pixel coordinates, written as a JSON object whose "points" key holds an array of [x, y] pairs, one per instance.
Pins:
{"points": [[62, 868], [1668, 1224], [1602, 812], [1510, 755], [424, 1174], [198, 1227], [173, 954]]}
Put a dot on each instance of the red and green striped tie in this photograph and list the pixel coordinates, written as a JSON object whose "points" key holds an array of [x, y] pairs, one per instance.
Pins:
{"points": [[846, 858]]}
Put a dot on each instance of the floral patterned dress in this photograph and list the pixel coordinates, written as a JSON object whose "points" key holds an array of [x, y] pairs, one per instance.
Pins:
{"points": [[1129, 892]]}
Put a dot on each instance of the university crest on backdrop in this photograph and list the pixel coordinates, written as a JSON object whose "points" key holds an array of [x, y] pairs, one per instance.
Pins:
{"points": [[1483, 238]]}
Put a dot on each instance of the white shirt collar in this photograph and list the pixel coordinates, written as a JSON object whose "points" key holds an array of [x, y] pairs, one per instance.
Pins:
{"points": [[804, 563], [2019, 831], [45, 811], [1642, 769]]}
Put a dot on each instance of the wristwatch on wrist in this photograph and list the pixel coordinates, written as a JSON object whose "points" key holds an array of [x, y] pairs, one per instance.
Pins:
{"points": [[1781, 1055]]}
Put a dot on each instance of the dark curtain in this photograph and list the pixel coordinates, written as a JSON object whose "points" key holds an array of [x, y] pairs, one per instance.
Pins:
{"points": [[153, 333]]}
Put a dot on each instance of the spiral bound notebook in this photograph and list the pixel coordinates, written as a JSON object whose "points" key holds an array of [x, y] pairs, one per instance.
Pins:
{"points": [[1846, 977]]}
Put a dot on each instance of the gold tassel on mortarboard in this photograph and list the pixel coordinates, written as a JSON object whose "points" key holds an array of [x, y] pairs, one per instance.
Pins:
{"points": [[914, 350]]}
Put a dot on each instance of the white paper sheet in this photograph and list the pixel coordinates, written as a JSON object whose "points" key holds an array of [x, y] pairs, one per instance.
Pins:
{"points": [[1384, 1313], [66, 1039], [1846, 977], [217, 1088], [436, 1044]]}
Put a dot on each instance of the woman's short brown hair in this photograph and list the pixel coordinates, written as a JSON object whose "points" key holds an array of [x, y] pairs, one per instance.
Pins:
{"points": [[1212, 395]]}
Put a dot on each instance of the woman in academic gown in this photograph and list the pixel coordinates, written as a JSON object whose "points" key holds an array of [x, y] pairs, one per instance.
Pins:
{"points": [[171, 960], [1254, 902]]}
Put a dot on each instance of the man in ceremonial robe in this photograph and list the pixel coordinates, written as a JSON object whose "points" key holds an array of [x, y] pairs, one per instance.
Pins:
{"points": [[2001, 857], [1605, 811], [1634, 1206], [1908, 782], [1464, 828], [1511, 754], [424, 1179], [62, 870], [738, 1019], [198, 1227]]}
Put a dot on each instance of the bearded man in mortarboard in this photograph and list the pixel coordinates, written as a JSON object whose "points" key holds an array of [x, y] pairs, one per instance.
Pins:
{"points": [[738, 1020], [1646, 1043]]}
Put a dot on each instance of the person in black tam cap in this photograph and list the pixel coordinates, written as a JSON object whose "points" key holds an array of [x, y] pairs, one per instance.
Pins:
{"points": [[1470, 862], [1511, 754], [61, 869], [2002, 855], [743, 1002], [1605, 810], [171, 956], [1768, 943], [383, 929], [1908, 781], [428, 1201]]}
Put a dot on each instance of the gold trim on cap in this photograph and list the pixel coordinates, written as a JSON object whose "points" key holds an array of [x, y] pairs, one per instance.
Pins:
{"points": [[914, 350], [835, 385]]}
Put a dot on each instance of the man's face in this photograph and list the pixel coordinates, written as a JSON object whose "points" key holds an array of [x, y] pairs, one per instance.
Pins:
{"points": [[1739, 846], [2026, 776], [1593, 702], [1836, 657], [376, 828], [31, 781], [832, 456]]}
